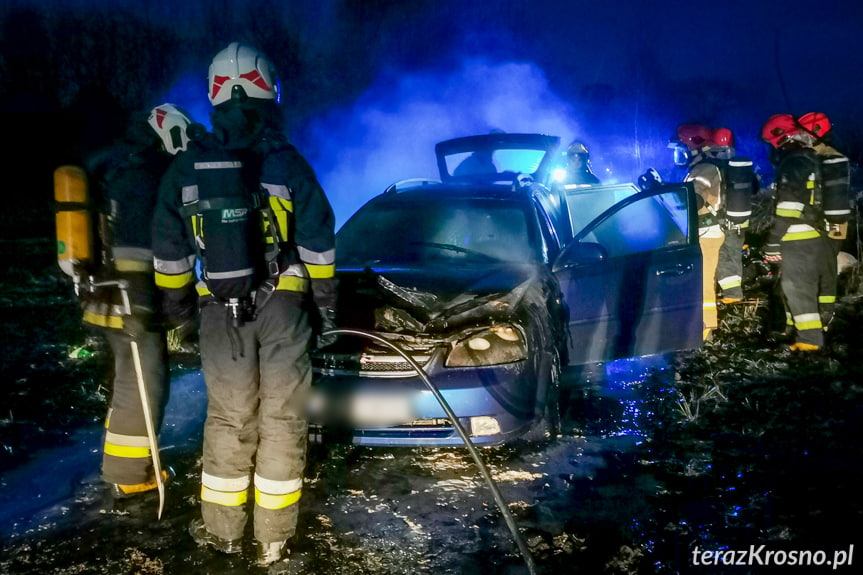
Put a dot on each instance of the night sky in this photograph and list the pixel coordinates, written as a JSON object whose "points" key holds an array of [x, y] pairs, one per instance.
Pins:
{"points": [[370, 86]]}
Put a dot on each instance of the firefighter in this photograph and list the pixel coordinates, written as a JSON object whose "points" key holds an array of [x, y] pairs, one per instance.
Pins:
{"points": [[799, 235], [735, 209], [578, 170], [127, 177], [690, 149], [723, 184], [254, 348]]}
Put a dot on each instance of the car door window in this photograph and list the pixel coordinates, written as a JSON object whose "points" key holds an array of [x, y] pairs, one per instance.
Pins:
{"points": [[651, 223], [586, 203]]}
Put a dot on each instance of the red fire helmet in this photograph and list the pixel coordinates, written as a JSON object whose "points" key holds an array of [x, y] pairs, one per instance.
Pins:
{"points": [[694, 136], [779, 129], [816, 123], [723, 137]]}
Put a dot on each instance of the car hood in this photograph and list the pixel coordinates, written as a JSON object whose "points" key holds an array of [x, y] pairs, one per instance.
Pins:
{"points": [[406, 300]]}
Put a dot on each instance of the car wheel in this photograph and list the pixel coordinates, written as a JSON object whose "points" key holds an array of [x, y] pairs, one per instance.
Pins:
{"points": [[548, 426]]}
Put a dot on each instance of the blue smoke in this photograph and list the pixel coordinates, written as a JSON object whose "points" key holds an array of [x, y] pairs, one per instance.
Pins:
{"points": [[389, 132], [190, 93]]}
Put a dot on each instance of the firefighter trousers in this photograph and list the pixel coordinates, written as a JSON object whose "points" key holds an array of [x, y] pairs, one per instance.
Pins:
{"points": [[258, 377], [126, 457], [808, 281], [729, 268], [710, 258]]}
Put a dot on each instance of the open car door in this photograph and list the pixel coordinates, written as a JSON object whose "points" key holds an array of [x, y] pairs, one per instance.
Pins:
{"points": [[631, 276]]}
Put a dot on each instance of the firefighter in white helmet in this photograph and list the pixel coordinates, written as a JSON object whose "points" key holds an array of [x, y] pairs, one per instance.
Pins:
{"points": [[247, 207], [125, 178]]}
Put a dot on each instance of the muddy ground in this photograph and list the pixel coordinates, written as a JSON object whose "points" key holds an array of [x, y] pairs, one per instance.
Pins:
{"points": [[739, 444]]}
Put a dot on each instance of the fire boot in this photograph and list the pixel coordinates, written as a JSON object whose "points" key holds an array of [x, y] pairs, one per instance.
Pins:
{"points": [[198, 531], [121, 491], [269, 553]]}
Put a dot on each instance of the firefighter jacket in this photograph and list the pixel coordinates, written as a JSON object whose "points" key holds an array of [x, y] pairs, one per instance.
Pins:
{"points": [[304, 223], [707, 179], [126, 180]]}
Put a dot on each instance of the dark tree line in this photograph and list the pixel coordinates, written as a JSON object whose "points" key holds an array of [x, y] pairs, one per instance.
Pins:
{"points": [[74, 71], [72, 76]]}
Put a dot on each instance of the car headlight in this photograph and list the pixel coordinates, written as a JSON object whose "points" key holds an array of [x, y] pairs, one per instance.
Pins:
{"points": [[493, 346]]}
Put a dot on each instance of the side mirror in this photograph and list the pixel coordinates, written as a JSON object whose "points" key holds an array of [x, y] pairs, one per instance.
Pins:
{"points": [[579, 254]]}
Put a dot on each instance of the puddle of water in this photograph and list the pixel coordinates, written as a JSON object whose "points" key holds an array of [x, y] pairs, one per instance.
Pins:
{"points": [[38, 493]]}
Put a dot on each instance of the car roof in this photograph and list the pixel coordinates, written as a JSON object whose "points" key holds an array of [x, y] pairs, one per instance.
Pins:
{"points": [[419, 188]]}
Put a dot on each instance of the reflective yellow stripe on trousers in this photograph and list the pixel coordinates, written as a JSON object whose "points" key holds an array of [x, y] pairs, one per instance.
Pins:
{"points": [[230, 492], [272, 494], [128, 446], [807, 321]]}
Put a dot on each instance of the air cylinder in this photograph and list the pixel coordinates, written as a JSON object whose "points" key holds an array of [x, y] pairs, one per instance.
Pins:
{"points": [[74, 226]]}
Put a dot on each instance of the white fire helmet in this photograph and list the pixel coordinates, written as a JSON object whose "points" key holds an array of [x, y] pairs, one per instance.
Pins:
{"points": [[170, 123], [241, 72]]}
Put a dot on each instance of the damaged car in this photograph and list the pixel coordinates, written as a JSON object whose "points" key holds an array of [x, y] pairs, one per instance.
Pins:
{"points": [[492, 282]]}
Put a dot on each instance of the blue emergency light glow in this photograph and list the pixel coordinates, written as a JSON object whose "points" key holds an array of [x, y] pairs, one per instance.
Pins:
{"points": [[558, 174], [190, 93]]}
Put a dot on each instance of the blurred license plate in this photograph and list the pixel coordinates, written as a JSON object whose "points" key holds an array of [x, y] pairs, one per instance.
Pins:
{"points": [[381, 409]]}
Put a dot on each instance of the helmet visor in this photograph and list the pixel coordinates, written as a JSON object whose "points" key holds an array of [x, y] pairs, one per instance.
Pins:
{"points": [[681, 154]]}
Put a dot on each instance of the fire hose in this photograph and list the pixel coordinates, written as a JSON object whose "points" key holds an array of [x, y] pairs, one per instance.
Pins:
{"points": [[498, 498]]}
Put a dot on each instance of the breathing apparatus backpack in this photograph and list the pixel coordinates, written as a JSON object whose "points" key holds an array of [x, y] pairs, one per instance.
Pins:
{"points": [[738, 188], [828, 181], [230, 214], [835, 191]]}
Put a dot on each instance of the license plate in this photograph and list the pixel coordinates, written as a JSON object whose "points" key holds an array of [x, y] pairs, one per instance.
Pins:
{"points": [[380, 409]]}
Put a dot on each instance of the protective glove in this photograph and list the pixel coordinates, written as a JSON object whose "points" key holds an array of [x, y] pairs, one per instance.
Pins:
{"points": [[328, 323], [772, 253], [179, 308]]}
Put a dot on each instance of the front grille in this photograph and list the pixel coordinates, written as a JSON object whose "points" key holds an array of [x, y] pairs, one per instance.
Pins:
{"points": [[390, 363], [435, 422], [368, 364]]}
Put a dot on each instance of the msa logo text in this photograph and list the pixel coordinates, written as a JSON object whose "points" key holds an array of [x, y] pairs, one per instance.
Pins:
{"points": [[230, 215]]}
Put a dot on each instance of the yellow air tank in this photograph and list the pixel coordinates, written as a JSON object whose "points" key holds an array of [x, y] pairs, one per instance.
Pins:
{"points": [[75, 246]]}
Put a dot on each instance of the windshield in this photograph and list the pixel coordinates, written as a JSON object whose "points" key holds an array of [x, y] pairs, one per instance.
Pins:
{"points": [[431, 231]]}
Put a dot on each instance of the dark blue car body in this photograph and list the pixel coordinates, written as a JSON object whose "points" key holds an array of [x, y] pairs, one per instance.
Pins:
{"points": [[492, 283]]}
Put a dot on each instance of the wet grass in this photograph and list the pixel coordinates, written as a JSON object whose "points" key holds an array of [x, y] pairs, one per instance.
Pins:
{"points": [[54, 372], [44, 392], [762, 444]]}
